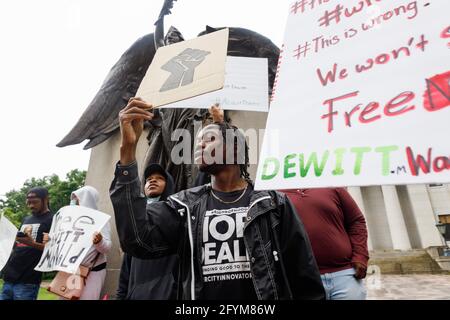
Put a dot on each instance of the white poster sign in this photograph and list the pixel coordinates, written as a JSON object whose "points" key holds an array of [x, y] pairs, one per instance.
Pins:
{"points": [[246, 88], [8, 234], [362, 96], [186, 69], [71, 238]]}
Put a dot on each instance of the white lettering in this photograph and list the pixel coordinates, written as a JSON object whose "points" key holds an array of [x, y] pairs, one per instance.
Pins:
{"points": [[222, 236], [209, 254], [225, 253]]}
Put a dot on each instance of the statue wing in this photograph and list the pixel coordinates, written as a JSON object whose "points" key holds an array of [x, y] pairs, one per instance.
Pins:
{"points": [[100, 120]]}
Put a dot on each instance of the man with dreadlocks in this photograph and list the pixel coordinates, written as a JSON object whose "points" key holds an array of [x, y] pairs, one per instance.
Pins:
{"points": [[233, 242]]}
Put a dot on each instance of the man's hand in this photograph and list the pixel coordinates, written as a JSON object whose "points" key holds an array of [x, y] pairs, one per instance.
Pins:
{"points": [[216, 113], [131, 120], [27, 240], [360, 270], [46, 238], [97, 238]]}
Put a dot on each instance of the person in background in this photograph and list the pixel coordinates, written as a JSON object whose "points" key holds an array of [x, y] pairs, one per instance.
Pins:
{"points": [[151, 279], [21, 281], [95, 259], [338, 233]]}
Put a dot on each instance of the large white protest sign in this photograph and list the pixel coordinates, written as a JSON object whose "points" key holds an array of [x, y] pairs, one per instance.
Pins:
{"points": [[246, 88], [362, 96], [8, 234], [186, 69], [70, 238]]}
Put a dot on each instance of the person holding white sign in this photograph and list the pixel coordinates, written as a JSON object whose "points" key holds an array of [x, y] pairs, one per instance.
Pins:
{"points": [[22, 282], [95, 259], [234, 242]]}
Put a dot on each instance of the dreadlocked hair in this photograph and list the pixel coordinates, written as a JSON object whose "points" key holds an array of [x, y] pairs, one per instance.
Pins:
{"points": [[238, 139]]}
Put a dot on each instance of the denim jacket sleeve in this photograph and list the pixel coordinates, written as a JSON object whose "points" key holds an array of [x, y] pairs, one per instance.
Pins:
{"points": [[144, 231]]}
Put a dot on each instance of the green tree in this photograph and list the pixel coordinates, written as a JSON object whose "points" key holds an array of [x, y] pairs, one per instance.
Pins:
{"points": [[14, 206]]}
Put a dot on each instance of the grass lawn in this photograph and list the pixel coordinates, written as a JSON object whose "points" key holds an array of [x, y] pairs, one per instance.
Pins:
{"points": [[43, 293]]}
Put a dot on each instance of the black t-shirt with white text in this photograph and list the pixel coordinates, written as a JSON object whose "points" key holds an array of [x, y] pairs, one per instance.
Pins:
{"points": [[225, 262], [23, 259]]}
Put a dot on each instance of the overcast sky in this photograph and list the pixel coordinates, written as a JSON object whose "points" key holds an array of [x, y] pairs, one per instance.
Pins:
{"points": [[56, 53]]}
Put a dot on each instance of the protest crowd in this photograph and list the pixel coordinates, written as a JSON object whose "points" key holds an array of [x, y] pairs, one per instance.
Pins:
{"points": [[220, 239], [227, 235]]}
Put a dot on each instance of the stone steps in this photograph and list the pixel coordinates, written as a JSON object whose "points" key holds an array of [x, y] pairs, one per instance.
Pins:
{"points": [[405, 262]]}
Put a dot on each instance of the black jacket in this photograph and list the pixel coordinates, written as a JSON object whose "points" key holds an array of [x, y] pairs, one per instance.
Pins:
{"points": [[281, 260], [150, 279]]}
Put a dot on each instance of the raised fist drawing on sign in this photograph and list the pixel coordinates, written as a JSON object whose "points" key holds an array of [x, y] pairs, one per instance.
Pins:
{"points": [[182, 68]]}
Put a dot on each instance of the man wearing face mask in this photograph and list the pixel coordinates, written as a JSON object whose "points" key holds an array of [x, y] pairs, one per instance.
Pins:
{"points": [[21, 280], [153, 279]]}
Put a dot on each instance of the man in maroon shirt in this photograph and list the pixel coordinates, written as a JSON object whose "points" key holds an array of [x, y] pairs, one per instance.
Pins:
{"points": [[338, 234]]}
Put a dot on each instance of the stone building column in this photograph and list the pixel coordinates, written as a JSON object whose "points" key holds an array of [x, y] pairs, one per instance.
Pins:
{"points": [[423, 214], [396, 221]]}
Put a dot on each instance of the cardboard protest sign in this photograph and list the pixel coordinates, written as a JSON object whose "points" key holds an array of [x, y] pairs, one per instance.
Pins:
{"points": [[246, 88], [362, 96], [186, 69], [70, 238], [8, 234]]}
